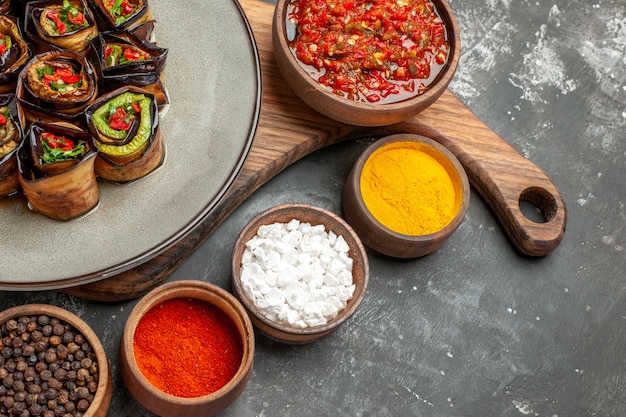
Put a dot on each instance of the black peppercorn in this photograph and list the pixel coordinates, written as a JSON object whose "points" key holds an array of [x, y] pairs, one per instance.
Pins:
{"points": [[62, 352], [21, 327], [70, 406], [41, 398], [21, 366], [19, 406], [51, 393], [9, 402], [7, 381], [46, 330], [60, 374], [47, 369], [51, 356], [28, 351], [17, 342], [18, 386], [82, 405], [68, 337], [64, 397], [40, 346], [20, 396], [55, 340], [34, 389], [30, 374], [36, 336], [59, 411], [86, 363], [58, 329], [30, 399], [6, 352], [31, 326], [36, 409], [55, 384]]}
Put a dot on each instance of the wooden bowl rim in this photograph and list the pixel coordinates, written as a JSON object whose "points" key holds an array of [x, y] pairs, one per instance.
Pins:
{"points": [[433, 92], [444, 152], [102, 399], [186, 289], [348, 234]]}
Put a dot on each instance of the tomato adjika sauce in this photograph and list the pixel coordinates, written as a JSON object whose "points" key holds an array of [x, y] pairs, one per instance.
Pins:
{"points": [[374, 51]]}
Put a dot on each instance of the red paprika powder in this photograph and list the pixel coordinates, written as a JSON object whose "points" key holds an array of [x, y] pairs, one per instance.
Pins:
{"points": [[187, 347]]}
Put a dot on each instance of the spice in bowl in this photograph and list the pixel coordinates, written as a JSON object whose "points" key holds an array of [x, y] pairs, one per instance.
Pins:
{"points": [[48, 368], [202, 335], [300, 271], [405, 195], [408, 188], [297, 273], [187, 349]]}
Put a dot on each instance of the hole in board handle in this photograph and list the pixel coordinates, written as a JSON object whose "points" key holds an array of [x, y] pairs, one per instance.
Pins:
{"points": [[537, 205]]}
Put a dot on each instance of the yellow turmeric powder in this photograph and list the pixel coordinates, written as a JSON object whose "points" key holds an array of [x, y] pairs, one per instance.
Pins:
{"points": [[407, 189]]}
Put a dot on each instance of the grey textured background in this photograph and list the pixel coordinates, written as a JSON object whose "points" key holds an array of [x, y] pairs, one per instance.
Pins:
{"points": [[474, 329]]}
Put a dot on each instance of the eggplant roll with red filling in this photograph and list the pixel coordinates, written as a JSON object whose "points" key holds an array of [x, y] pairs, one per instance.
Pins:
{"points": [[10, 140], [122, 14], [56, 86], [125, 123], [56, 170], [60, 24], [14, 53], [122, 58]]}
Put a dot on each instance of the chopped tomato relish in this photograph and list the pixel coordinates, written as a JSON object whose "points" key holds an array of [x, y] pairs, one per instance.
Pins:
{"points": [[379, 51]]}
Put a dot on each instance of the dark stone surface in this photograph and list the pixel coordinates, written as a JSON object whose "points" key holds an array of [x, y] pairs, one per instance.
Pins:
{"points": [[474, 329]]}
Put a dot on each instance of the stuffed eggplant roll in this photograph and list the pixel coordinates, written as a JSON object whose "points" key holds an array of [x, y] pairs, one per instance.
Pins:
{"points": [[10, 139], [56, 170], [121, 58], [125, 123], [60, 24], [56, 85], [122, 14], [14, 53]]}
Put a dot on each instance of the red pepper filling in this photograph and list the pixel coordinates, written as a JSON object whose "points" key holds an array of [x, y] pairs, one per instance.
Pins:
{"points": [[56, 18], [62, 74], [371, 51], [121, 119], [5, 43], [58, 142]]}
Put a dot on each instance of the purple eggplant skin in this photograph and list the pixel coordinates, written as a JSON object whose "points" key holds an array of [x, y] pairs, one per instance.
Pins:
{"points": [[69, 190], [9, 181], [16, 57]]}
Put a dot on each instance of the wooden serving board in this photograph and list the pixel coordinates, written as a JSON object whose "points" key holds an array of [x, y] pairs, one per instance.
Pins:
{"points": [[288, 130]]}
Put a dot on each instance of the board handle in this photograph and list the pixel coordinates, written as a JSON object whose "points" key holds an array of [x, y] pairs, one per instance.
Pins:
{"points": [[500, 174]]}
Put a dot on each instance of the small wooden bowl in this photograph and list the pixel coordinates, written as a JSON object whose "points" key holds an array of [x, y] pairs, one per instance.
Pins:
{"points": [[282, 331], [167, 405], [349, 111], [381, 238], [104, 391]]}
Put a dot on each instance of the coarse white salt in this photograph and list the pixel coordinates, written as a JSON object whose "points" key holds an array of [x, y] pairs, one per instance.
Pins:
{"points": [[297, 273]]}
